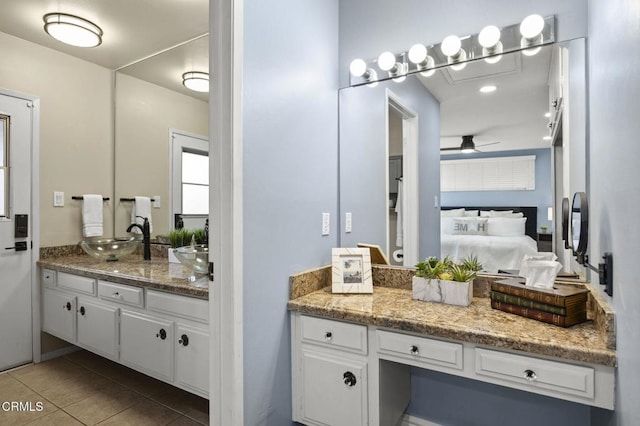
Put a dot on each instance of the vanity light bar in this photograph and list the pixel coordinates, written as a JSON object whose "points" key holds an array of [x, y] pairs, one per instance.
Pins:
{"points": [[490, 44]]}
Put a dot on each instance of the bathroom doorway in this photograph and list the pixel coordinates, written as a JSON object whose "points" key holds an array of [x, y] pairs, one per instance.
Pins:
{"points": [[18, 128]]}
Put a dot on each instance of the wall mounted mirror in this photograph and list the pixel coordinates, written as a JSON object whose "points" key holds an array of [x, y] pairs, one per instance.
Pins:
{"points": [[446, 106], [566, 208], [580, 226], [159, 125]]}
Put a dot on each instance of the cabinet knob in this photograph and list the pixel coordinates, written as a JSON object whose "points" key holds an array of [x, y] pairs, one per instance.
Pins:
{"points": [[414, 350], [67, 306], [184, 340], [349, 379], [82, 310], [162, 334], [117, 295], [530, 375], [328, 336]]}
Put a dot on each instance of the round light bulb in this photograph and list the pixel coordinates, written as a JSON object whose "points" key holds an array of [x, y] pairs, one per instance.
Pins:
{"points": [[532, 26], [493, 59], [489, 36], [400, 79], [386, 61], [417, 53], [531, 51], [450, 45], [358, 67], [428, 73], [458, 67]]}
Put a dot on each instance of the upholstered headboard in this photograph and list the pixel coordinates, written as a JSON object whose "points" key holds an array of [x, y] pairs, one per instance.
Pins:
{"points": [[531, 213]]}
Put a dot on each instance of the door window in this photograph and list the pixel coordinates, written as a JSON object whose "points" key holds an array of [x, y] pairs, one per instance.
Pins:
{"points": [[4, 165], [195, 183]]}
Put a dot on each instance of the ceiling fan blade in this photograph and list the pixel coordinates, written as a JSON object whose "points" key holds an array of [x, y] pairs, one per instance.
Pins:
{"points": [[486, 144], [455, 148]]}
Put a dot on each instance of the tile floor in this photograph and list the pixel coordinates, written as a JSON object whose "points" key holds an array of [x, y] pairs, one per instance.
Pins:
{"points": [[85, 389]]}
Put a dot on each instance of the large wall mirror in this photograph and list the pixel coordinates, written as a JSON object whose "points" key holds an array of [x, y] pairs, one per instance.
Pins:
{"points": [[161, 126], [400, 132]]}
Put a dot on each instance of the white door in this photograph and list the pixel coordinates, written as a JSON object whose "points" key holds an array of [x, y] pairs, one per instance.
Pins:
{"points": [[15, 263]]}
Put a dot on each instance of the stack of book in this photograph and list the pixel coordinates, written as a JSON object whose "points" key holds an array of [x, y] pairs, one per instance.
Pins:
{"points": [[562, 305]]}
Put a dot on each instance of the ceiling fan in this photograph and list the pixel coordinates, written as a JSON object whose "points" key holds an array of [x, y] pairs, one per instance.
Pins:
{"points": [[467, 145]]}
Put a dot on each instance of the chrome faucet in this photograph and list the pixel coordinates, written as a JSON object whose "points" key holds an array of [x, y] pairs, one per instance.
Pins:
{"points": [[146, 236]]}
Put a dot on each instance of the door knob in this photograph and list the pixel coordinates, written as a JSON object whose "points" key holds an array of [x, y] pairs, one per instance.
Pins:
{"points": [[414, 350], [328, 336]]}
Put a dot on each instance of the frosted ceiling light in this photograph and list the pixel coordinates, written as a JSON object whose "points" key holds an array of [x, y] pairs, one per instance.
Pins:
{"points": [[547, 114], [197, 81], [72, 30], [546, 138]]}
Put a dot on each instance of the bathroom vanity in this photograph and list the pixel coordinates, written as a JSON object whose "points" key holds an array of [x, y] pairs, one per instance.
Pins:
{"points": [[352, 354], [142, 314]]}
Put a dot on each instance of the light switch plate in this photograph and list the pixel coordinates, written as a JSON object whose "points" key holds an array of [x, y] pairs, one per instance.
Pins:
{"points": [[58, 199], [156, 201], [347, 222], [325, 224]]}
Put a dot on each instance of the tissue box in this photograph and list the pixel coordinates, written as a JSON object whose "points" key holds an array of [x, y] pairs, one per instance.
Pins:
{"points": [[562, 305]]}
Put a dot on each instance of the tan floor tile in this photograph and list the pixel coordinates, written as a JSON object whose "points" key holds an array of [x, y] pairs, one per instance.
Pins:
{"points": [[139, 382], [48, 374], [184, 421], [145, 412], [106, 402], [76, 389], [58, 418], [183, 402]]}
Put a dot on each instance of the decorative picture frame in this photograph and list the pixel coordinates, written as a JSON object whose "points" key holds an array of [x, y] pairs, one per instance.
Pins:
{"points": [[351, 270]]}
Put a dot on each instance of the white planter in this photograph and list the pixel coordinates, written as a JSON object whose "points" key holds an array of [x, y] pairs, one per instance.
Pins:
{"points": [[443, 291], [172, 257]]}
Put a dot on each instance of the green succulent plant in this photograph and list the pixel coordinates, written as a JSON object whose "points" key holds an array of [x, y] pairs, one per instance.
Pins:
{"points": [[472, 263], [445, 269]]}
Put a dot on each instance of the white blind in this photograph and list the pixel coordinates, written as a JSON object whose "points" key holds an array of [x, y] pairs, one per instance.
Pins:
{"points": [[489, 174]]}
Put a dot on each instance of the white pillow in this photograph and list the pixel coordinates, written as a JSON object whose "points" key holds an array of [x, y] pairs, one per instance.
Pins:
{"points": [[500, 213], [469, 226], [446, 225], [470, 213], [506, 226], [452, 213]]}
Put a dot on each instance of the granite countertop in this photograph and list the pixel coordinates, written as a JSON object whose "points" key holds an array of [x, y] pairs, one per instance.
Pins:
{"points": [[392, 307], [157, 273]]}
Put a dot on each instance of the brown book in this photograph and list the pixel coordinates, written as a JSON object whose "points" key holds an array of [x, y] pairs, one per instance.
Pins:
{"points": [[548, 317], [564, 296], [528, 303]]}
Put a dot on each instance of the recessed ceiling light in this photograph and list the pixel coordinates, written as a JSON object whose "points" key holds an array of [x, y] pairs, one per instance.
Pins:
{"points": [[546, 138], [197, 81], [547, 114], [72, 30], [488, 89]]}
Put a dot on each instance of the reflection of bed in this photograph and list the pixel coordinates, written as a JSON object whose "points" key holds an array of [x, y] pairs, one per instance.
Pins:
{"points": [[494, 252]]}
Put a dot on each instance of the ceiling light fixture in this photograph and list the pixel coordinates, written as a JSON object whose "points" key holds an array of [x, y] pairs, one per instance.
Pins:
{"points": [[547, 114], [467, 146], [197, 81], [488, 89], [72, 30]]}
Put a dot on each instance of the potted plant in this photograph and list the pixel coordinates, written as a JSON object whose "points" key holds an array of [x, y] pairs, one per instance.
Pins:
{"points": [[544, 228], [440, 280], [178, 238]]}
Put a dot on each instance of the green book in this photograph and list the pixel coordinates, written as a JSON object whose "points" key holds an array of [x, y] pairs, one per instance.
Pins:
{"points": [[527, 303]]}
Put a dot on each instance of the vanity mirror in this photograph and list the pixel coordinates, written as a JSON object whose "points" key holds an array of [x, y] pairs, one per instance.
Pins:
{"points": [[160, 124], [434, 113], [579, 226]]}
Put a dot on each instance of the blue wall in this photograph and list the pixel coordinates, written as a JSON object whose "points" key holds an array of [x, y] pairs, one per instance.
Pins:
{"points": [[541, 197], [290, 151]]}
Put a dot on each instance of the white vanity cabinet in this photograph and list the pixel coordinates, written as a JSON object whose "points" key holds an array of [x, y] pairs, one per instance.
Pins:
{"points": [[330, 384], [160, 334]]}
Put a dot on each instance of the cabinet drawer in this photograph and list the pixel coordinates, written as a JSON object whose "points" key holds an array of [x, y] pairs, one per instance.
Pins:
{"points": [[49, 277], [337, 334], [181, 306], [420, 349], [121, 293], [77, 283], [536, 373]]}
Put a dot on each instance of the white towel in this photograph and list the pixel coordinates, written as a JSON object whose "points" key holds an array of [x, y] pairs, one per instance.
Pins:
{"points": [[141, 207], [92, 216], [399, 225]]}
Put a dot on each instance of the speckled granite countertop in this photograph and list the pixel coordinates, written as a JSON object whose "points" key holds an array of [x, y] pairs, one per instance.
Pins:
{"points": [[393, 307], [157, 274]]}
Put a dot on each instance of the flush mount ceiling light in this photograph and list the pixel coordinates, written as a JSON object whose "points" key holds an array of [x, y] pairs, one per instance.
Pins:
{"points": [[197, 81], [72, 30]]}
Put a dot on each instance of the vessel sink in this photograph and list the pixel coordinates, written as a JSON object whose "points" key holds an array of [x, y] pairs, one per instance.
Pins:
{"points": [[109, 249], [195, 257]]}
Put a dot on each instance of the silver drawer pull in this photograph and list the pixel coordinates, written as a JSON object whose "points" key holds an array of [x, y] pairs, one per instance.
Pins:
{"points": [[530, 375], [414, 350], [328, 336]]}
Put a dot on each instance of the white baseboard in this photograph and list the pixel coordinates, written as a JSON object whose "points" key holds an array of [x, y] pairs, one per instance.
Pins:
{"points": [[407, 420], [58, 353]]}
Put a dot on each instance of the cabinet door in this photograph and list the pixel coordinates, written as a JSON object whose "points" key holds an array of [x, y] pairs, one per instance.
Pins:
{"points": [[192, 358], [334, 390], [146, 344], [59, 314], [98, 328]]}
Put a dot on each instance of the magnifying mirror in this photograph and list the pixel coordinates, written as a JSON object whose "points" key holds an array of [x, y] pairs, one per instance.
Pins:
{"points": [[565, 222]]}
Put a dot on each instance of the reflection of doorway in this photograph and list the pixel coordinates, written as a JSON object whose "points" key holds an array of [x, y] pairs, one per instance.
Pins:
{"points": [[189, 179], [402, 185]]}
